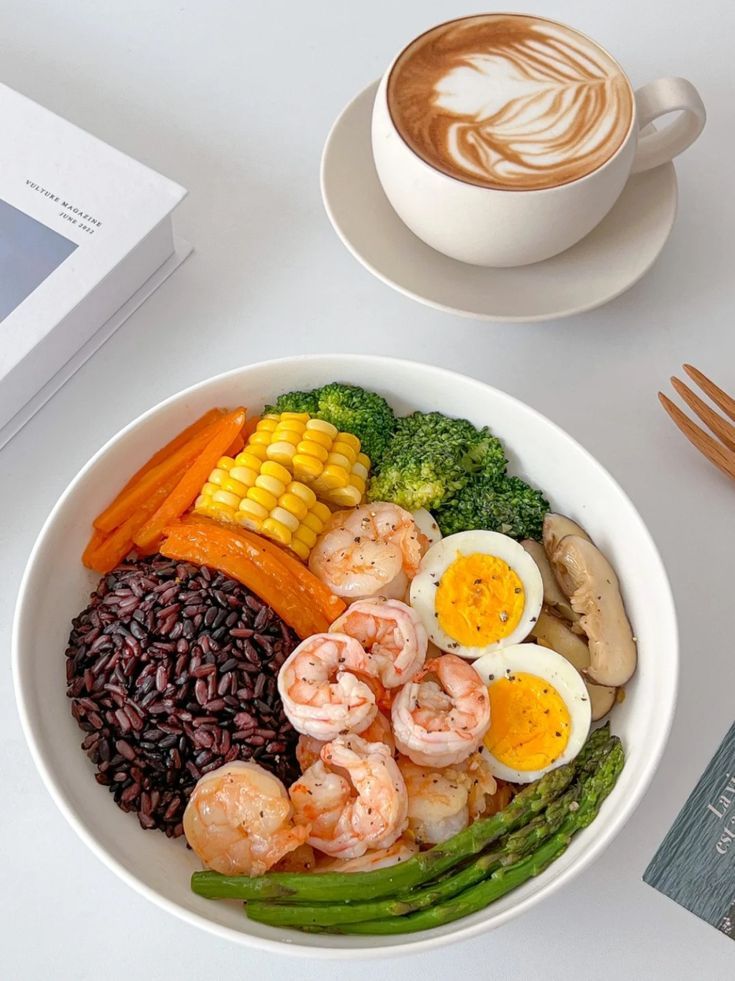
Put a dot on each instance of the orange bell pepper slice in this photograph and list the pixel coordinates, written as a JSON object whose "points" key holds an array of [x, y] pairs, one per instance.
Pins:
{"points": [[218, 547]]}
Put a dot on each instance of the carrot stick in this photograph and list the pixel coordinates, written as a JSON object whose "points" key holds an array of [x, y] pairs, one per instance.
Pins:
{"points": [[127, 502], [235, 446], [314, 590], [210, 546], [190, 484], [116, 545], [250, 426], [176, 443], [96, 539]]}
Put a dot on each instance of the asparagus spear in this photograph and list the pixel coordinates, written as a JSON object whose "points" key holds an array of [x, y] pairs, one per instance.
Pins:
{"points": [[334, 887], [505, 879], [512, 848], [298, 887]]}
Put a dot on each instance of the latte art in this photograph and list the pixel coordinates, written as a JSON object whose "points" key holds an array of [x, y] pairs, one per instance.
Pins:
{"points": [[510, 101]]}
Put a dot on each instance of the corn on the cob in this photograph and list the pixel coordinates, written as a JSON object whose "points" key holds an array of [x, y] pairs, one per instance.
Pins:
{"points": [[317, 454], [272, 486]]}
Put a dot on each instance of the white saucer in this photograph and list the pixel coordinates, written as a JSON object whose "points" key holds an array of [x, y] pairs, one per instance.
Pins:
{"points": [[608, 261]]}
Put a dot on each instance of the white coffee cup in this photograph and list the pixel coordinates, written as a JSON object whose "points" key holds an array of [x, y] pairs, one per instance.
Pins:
{"points": [[490, 226]]}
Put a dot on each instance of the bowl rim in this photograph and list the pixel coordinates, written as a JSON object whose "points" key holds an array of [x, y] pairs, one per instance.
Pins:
{"points": [[430, 940]]}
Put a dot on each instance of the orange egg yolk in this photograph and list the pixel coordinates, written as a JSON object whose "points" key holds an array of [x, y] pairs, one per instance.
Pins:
{"points": [[529, 722], [479, 600]]}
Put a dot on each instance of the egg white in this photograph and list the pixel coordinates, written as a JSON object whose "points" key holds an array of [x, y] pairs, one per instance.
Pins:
{"points": [[426, 524], [438, 559], [563, 676]]}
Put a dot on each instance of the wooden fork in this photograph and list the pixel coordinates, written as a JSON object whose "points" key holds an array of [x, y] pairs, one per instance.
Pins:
{"points": [[720, 451]]}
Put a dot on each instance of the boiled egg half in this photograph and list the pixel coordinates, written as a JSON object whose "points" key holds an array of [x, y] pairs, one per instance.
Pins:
{"points": [[477, 591], [539, 711]]}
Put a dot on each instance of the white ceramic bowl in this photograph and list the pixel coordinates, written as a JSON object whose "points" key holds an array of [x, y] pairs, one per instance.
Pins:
{"points": [[56, 586]]}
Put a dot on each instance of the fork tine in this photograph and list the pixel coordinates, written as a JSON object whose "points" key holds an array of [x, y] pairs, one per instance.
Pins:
{"points": [[715, 452], [720, 398], [719, 426]]}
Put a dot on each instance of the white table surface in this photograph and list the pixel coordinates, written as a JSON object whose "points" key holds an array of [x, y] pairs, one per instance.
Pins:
{"points": [[234, 101]]}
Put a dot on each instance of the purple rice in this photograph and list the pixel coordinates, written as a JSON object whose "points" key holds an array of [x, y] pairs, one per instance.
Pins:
{"points": [[171, 671]]}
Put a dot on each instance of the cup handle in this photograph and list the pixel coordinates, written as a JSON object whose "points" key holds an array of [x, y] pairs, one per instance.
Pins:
{"points": [[656, 99]]}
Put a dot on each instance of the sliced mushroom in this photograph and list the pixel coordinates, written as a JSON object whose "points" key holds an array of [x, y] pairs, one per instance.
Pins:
{"points": [[592, 588], [558, 526], [553, 596], [552, 632], [602, 699]]}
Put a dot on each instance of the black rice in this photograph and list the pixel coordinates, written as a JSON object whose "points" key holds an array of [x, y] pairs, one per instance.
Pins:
{"points": [[172, 670]]}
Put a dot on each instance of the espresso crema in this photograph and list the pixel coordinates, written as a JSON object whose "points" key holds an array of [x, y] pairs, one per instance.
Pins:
{"points": [[509, 101]]}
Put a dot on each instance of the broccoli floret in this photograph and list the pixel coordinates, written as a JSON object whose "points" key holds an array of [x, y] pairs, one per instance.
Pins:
{"points": [[294, 402], [430, 459], [507, 505], [353, 410]]}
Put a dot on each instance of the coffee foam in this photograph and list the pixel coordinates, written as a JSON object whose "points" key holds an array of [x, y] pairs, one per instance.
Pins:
{"points": [[509, 101]]}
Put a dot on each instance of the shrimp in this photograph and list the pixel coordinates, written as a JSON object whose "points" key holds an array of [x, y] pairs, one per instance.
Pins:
{"points": [[440, 717], [308, 749], [239, 820], [442, 802], [351, 800], [320, 694], [301, 859], [391, 633], [368, 551], [379, 858]]}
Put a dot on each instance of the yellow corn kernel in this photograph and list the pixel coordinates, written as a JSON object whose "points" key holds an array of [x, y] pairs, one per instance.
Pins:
{"points": [[201, 501], [346, 497], [299, 548], [285, 518], [209, 489], [272, 469], [311, 448], [338, 460], [301, 416], [256, 450], [220, 512], [234, 487], [345, 449], [217, 476], [313, 523], [318, 437], [290, 426], [306, 536], [277, 531], [306, 467], [358, 482], [253, 509], [287, 436], [267, 424], [358, 470], [350, 439], [281, 452], [262, 496], [250, 460], [226, 498], [321, 512], [225, 463], [245, 475], [270, 484], [294, 505], [304, 493], [331, 478], [364, 460], [322, 426], [249, 521], [259, 439]]}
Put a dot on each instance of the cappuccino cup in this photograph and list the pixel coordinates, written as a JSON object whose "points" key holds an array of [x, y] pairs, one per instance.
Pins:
{"points": [[503, 139]]}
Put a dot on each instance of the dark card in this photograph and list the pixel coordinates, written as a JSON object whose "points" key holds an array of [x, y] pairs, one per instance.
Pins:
{"points": [[695, 864]]}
